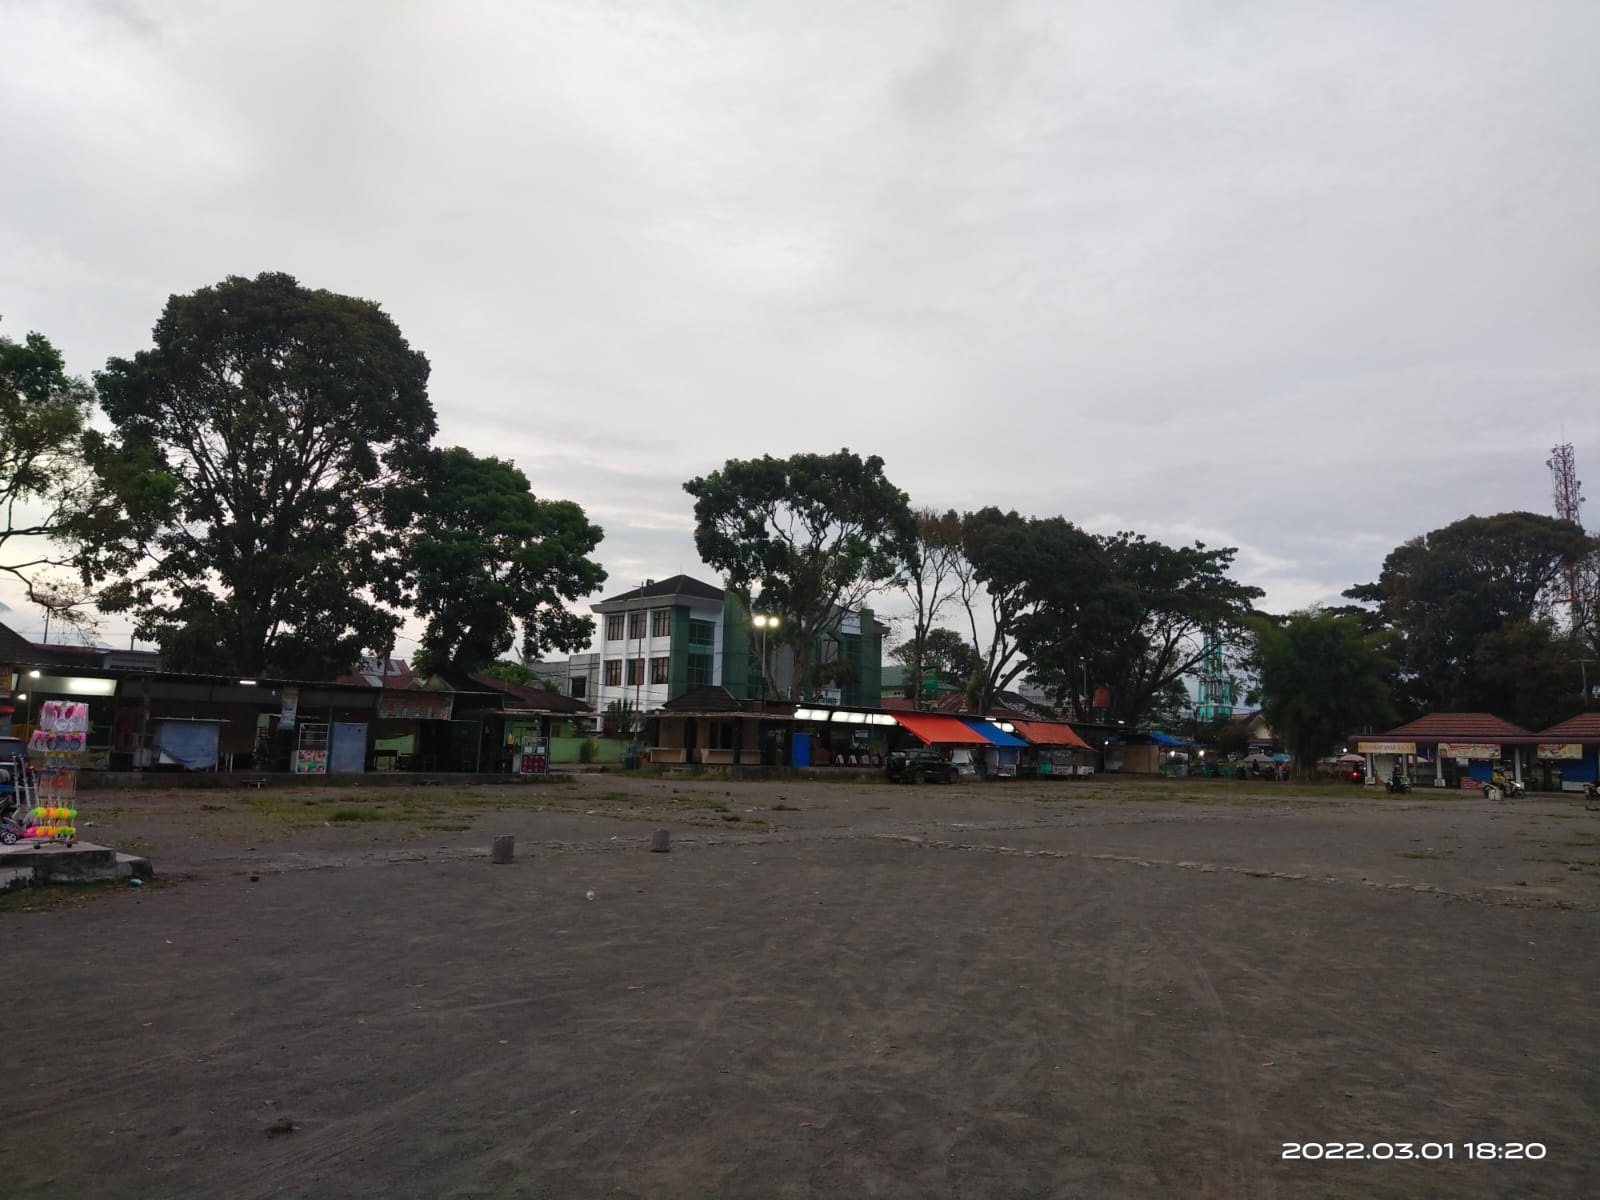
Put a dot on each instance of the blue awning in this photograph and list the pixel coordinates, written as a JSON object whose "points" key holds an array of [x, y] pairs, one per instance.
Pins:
{"points": [[993, 733], [1166, 739]]}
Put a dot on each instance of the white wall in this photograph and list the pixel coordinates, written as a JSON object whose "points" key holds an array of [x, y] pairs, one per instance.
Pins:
{"points": [[650, 696]]}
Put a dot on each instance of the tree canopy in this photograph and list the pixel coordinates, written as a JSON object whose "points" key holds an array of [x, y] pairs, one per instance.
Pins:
{"points": [[258, 454], [812, 535], [489, 561], [1440, 595], [1136, 623], [946, 654], [1036, 573], [929, 579], [42, 415], [1321, 677]]}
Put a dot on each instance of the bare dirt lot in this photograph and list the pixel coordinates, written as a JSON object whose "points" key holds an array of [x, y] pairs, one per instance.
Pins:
{"points": [[825, 989]]}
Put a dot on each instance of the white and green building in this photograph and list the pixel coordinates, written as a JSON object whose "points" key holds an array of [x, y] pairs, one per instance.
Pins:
{"points": [[666, 638]]}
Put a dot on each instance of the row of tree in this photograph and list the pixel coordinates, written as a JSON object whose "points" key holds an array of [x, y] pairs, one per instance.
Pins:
{"points": [[1466, 618], [812, 536], [264, 497], [267, 498]]}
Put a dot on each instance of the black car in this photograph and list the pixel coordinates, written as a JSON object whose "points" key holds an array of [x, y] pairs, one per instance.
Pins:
{"points": [[919, 766]]}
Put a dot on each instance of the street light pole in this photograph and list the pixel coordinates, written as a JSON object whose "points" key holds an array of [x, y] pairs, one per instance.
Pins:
{"points": [[764, 622]]}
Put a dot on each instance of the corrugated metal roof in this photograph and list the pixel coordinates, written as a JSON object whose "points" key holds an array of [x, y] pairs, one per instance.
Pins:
{"points": [[994, 735], [935, 728], [1047, 733]]}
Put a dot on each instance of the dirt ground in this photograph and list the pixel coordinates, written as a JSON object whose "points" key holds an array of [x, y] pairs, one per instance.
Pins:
{"points": [[826, 989]]}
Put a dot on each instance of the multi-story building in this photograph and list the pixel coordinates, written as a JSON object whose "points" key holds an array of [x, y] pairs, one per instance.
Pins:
{"points": [[658, 641]]}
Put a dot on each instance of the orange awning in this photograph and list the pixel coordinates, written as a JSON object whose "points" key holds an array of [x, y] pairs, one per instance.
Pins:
{"points": [[933, 728], [1045, 733]]}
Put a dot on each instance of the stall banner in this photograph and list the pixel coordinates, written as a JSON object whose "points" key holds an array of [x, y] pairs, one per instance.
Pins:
{"points": [[1387, 747], [418, 706], [1561, 750], [290, 709], [1469, 750]]}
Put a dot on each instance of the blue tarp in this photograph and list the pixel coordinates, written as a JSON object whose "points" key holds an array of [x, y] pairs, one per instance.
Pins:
{"points": [[994, 733], [191, 744], [1166, 739]]}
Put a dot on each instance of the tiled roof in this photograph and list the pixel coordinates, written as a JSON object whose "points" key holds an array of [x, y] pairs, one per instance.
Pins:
{"points": [[1455, 727], [1584, 725], [529, 697], [709, 698], [676, 585]]}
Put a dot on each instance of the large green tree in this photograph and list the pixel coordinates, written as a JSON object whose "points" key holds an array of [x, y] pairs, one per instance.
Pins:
{"points": [[1139, 625], [1037, 575], [1439, 595], [930, 580], [812, 535], [945, 654], [42, 415], [258, 455], [491, 564], [1320, 678]]}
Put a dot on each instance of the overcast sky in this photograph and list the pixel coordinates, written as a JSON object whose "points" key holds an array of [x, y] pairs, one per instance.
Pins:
{"points": [[1303, 278]]}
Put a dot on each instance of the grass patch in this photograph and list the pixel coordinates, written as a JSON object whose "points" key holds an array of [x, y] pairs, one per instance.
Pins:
{"points": [[356, 814], [51, 897], [780, 807], [731, 816], [1422, 854]]}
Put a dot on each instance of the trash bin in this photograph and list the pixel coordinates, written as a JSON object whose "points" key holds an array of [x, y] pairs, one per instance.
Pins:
{"points": [[630, 762]]}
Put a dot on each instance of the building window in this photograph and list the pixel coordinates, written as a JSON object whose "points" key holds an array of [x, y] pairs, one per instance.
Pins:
{"points": [[613, 672], [580, 687], [661, 623], [702, 633], [699, 670], [658, 669], [635, 671], [635, 625], [721, 735], [614, 629]]}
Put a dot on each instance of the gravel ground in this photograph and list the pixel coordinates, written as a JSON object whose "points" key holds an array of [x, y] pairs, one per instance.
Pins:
{"points": [[1069, 989]]}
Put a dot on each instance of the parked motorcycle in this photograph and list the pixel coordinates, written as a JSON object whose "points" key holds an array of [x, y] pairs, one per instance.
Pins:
{"points": [[1502, 787]]}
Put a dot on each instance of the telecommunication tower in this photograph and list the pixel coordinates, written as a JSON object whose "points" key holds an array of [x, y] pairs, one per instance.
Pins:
{"points": [[1568, 493]]}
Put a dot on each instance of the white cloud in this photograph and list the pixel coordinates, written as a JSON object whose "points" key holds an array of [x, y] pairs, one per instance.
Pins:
{"points": [[1310, 278]]}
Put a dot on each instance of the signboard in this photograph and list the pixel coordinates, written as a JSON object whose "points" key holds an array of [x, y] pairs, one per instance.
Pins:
{"points": [[1469, 750], [291, 705], [415, 706], [535, 764], [1561, 750], [1366, 747], [310, 762]]}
